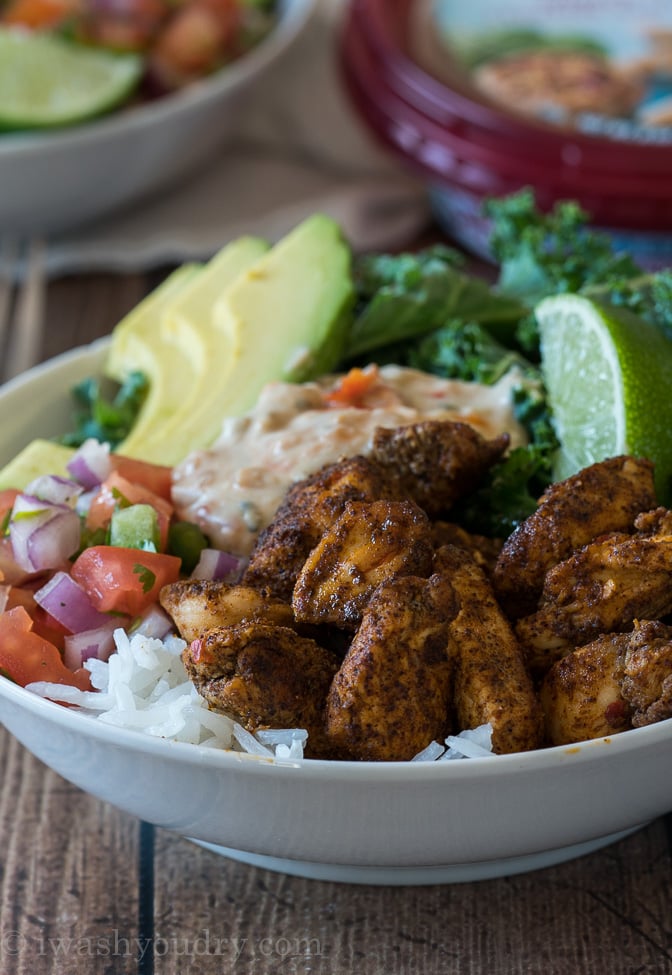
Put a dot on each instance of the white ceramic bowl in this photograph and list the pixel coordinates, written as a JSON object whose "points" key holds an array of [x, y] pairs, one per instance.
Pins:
{"points": [[52, 182], [400, 823]]}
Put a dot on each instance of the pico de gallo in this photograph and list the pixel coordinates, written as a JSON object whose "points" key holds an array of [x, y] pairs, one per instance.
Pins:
{"points": [[82, 555]]}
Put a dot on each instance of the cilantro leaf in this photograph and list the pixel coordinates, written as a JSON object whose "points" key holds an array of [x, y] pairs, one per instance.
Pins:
{"points": [[146, 576], [108, 419]]}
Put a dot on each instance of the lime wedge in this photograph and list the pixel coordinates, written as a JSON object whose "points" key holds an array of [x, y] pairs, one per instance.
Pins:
{"points": [[46, 81], [608, 375]]}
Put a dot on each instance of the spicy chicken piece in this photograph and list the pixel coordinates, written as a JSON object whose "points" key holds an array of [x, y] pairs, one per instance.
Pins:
{"points": [[436, 462], [619, 681], [264, 676], [367, 544], [602, 588], [310, 507], [198, 605], [605, 497], [484, 551], [581, 693], [491, 683], [391, 695], [657, 521], [647, 673]]}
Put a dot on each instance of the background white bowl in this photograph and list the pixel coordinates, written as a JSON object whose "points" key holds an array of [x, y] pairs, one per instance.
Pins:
{"points": [[54, 181], [388, 823]]}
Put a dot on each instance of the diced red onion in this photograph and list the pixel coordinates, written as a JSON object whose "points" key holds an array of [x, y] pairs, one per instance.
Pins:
{"points": [[91, 463], [154, 623], [98, 643], [217, 565], [43, 535], [66, 601], [55, 489]]}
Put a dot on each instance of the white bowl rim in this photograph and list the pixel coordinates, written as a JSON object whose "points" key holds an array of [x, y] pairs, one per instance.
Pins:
{"points": [[488, 767], [293, 16]]}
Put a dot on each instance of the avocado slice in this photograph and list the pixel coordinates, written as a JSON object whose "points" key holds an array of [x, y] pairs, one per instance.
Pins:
{"points": [[284, 317], [210, 341], [287, 316], [290, 312], [136, 345], [169, 337], [37, 458], [189, 323], [191, 309]]}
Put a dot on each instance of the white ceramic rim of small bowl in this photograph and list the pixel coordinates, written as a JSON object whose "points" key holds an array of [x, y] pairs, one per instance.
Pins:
{"points": [[457, 770], [293, 17]]}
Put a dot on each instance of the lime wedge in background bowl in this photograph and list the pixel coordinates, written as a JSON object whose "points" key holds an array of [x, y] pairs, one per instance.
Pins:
{"points": [[47, 81], [609, 379]]}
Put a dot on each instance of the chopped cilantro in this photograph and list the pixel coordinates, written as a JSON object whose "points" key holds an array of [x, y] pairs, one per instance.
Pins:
{"points": [[146, 576], [108, 419]]}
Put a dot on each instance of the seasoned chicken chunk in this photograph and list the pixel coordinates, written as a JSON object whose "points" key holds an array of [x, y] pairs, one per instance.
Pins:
{"points": [[432, 463], [264, 676], [616, 682], [436, 462], [657, 521], [309, 508], [605, 497], [647, 673], [367, 544], [198, 605], [391, 695], [602, 588], [581, 693], [491, 682], [484, 551]]}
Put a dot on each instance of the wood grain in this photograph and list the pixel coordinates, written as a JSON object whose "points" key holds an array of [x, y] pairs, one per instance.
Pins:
{"points": [[82, 311], [69, 883], [605, 914]]}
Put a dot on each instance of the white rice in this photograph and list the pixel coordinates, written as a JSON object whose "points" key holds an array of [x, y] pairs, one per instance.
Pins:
{"points": [[474, 743], [144, 686]]}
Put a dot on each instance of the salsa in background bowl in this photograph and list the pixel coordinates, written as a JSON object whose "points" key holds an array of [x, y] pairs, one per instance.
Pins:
{"points": [[457, 92]]}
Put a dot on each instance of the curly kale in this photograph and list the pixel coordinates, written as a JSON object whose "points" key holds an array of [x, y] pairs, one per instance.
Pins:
{"points": [[649, 296], [550, 253], [402, 297]]}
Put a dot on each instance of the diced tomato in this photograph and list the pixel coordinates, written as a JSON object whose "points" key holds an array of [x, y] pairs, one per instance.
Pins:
{"points": [[18, 596], [48, 627], [195, 40], [25, 656], [37, 14], [124, 580], [117, 487], [10, 571], [43, 624], [352, 389], [156, 477]]}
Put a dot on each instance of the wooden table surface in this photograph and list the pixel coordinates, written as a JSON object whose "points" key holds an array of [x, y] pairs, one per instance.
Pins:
{"points": [[88, 889]]}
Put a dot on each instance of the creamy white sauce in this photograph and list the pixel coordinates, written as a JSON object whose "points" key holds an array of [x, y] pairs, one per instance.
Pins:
{"points": [[233, 489]]}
